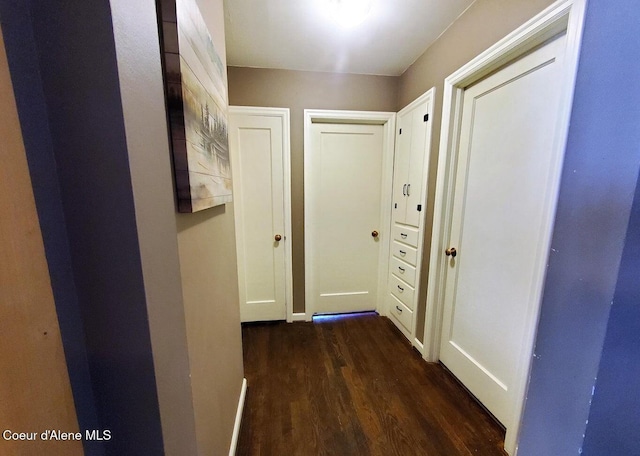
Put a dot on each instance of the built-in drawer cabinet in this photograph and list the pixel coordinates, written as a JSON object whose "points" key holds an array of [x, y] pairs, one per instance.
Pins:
{"points": [[404, 252], [401, 290], [404, 271], [408, 207], [405, 235], [401, 313]]}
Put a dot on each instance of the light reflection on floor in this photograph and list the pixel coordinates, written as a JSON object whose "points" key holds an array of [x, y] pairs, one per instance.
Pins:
{"points": [[335, 317]]}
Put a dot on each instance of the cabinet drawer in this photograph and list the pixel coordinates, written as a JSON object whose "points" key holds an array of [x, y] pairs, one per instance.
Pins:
{"points": [[403, 270], [406, 235], [404, 252], [401, 290], [402, 313]]}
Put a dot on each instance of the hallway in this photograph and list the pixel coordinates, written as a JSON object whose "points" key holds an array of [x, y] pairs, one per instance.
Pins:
{"points": [[354, 386]]}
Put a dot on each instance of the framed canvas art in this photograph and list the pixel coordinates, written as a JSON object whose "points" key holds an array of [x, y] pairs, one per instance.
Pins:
{"points": [[196, 91]]}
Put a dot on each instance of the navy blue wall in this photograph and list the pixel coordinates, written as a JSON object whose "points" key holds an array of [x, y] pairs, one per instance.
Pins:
{"points": [[63, 66], [598, 183], [614, 421]]}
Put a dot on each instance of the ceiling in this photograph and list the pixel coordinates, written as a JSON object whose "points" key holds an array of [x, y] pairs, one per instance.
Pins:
{"points": [[300, 35]]}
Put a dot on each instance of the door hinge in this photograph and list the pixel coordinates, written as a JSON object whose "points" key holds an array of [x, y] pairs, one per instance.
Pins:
{"points": [[426, 117], [419, 207], [400, 131]]}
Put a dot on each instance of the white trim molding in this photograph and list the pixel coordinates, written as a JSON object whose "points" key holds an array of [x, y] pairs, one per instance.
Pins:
{"points": [[299, 316], [563, 16], [238, 422], [388, 121]]}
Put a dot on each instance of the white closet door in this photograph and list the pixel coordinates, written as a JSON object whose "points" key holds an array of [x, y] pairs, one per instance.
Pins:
{"points": [[343, 186], [401, 166], [257, 153], [501, 211], [415, 174]]}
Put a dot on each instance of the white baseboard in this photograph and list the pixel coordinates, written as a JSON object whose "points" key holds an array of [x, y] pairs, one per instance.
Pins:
{"points": [[418, 345], [299, 317], [236, 426]]}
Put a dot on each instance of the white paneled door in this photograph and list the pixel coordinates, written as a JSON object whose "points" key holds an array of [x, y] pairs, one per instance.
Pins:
{"points": [[343, 175], [502, 210], [258, 142]]}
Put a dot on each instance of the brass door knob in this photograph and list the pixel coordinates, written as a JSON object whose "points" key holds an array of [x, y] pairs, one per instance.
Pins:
{"points": [[374, 234], [451, 252], [278, 238]]}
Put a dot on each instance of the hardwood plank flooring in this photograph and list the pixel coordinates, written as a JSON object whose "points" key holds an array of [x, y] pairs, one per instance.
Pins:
{"points": [[354, 386]]}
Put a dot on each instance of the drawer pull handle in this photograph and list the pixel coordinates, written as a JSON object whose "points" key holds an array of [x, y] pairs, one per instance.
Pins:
{"points": [[401, 269], [400, 288], [404, 190], [402, 252], [399, 309], [403, 235], [408, 187]]}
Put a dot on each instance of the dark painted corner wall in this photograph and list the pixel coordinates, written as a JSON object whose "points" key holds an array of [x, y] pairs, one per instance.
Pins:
{"points": [[147, 299], [75, 140], [614, 418], [598, 183], [22, 50]]}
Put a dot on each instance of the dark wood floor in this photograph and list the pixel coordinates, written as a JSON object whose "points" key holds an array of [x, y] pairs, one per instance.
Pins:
{"points": [[354, 386]]}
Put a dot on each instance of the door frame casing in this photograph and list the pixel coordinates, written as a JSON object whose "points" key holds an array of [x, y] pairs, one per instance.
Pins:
{"points": [[284, 116], [388, 122], [564, 15]]}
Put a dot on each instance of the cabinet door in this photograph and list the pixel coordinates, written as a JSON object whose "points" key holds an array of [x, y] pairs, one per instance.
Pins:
{"points": [[401, 169], [416, 151]]}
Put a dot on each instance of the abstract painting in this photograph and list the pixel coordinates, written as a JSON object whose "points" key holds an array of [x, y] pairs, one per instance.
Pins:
{"points": [[196, 91]]}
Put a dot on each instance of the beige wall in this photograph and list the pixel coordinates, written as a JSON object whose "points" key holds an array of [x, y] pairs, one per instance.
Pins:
{"points": [[32, 353], [299, 90], [141, 87], [481, 26], [207, 249], [189, 260], [210, 288]]}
